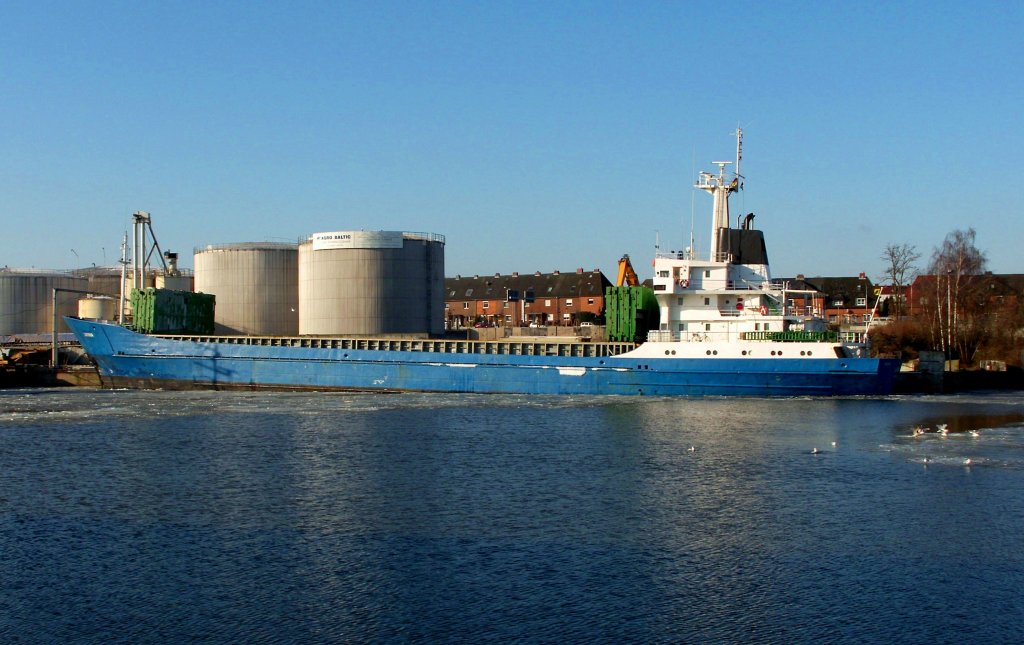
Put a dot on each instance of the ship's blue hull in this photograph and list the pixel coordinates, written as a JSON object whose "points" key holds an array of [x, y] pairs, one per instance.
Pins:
{"points": [[128, 359]]}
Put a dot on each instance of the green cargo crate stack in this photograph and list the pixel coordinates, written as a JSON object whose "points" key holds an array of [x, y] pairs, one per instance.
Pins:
{"points": [[630, 312], [165, 311]]}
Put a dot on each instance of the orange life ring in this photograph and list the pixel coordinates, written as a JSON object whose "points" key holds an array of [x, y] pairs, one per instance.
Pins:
{"points": [[764, 310]]}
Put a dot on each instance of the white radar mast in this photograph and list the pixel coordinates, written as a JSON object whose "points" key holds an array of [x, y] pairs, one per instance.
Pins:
{"points": [[720, 186]]}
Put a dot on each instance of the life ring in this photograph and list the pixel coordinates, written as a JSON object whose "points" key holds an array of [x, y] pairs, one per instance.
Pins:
{"points": [[684, 283], [739, 306], [764, 310]]}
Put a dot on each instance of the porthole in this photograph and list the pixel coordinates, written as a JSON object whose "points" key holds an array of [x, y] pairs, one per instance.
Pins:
{"points": [[673, 352], [773, 352], [809, 353], [667, 352], [715, 352], [743, 353], [708, 352]]}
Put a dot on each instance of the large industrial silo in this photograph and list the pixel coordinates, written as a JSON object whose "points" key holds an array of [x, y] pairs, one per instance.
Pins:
{"points": [[26, 300], [102, 280], [255, 284], [371, 283]]}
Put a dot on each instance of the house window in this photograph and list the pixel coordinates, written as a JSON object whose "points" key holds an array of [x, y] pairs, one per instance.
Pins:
{"points": [[547, 302], [487, 305], [568, 302], [465, 305], [469, 293], [837, 303], [867, 318], [862, 302], [590, 301]]}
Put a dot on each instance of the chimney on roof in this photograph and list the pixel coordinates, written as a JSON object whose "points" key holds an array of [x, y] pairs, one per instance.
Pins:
{"points": [[515, 274], [458, 277], [799, 276], [536, 273], [579, 270], [862, 275], [497, 275], [557, 272]]}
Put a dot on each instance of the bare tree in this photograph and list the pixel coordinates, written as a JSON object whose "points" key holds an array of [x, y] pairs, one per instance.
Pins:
{"points": [[951, 264], [900, 259]]}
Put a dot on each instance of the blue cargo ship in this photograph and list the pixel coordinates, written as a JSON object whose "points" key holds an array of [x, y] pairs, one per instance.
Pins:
{"points": [[726, 329]]}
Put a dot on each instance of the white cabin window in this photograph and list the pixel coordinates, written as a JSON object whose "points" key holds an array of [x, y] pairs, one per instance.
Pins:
{"points": [[707, 326], [681, 327], [707, 274], [837, 303], [861, 302], [679, 302], [707, 302], [487, 305], [663, 274], [867, 317], [590, 301]]}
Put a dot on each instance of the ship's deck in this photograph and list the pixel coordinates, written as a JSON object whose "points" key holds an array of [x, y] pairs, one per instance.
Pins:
{"points": [[498, 347]]}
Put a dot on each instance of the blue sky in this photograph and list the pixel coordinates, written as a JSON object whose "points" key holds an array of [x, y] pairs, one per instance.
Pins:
{"points": [[532, 135]]}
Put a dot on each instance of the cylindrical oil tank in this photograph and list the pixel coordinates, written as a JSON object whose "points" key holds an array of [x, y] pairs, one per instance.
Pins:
{"points": [[102, 280], [26, 300], [256, 287], [97, 308], [371, 283], [178, 282]]}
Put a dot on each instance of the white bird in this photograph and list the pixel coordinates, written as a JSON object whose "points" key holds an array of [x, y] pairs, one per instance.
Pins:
{"points": [[815, 451], [691, 449], [967, 462], [927, 461], [943, 428], [918, 431], [974, 433], [833, 444]]}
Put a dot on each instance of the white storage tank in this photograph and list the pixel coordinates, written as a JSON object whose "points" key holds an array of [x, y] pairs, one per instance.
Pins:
{"points": [[102, 280], [26, 300], [97, 308], [256, 286], [371, 283]]}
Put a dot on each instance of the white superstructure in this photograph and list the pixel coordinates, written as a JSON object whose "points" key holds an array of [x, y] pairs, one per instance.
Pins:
{"points": [[725, 303]]}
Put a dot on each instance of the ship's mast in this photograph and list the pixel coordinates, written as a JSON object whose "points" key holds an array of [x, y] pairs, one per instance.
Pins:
{"points": [[720, 186]]}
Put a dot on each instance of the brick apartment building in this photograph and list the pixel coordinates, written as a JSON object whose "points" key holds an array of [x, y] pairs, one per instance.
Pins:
{"points": [[515, 300]]}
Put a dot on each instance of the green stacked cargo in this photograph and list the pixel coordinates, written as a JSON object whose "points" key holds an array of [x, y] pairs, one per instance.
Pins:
{"points": [[164, 311], [630, 312]]}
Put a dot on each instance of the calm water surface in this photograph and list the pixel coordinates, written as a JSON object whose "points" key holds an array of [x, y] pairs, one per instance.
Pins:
{"points": [[262, 518]]}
